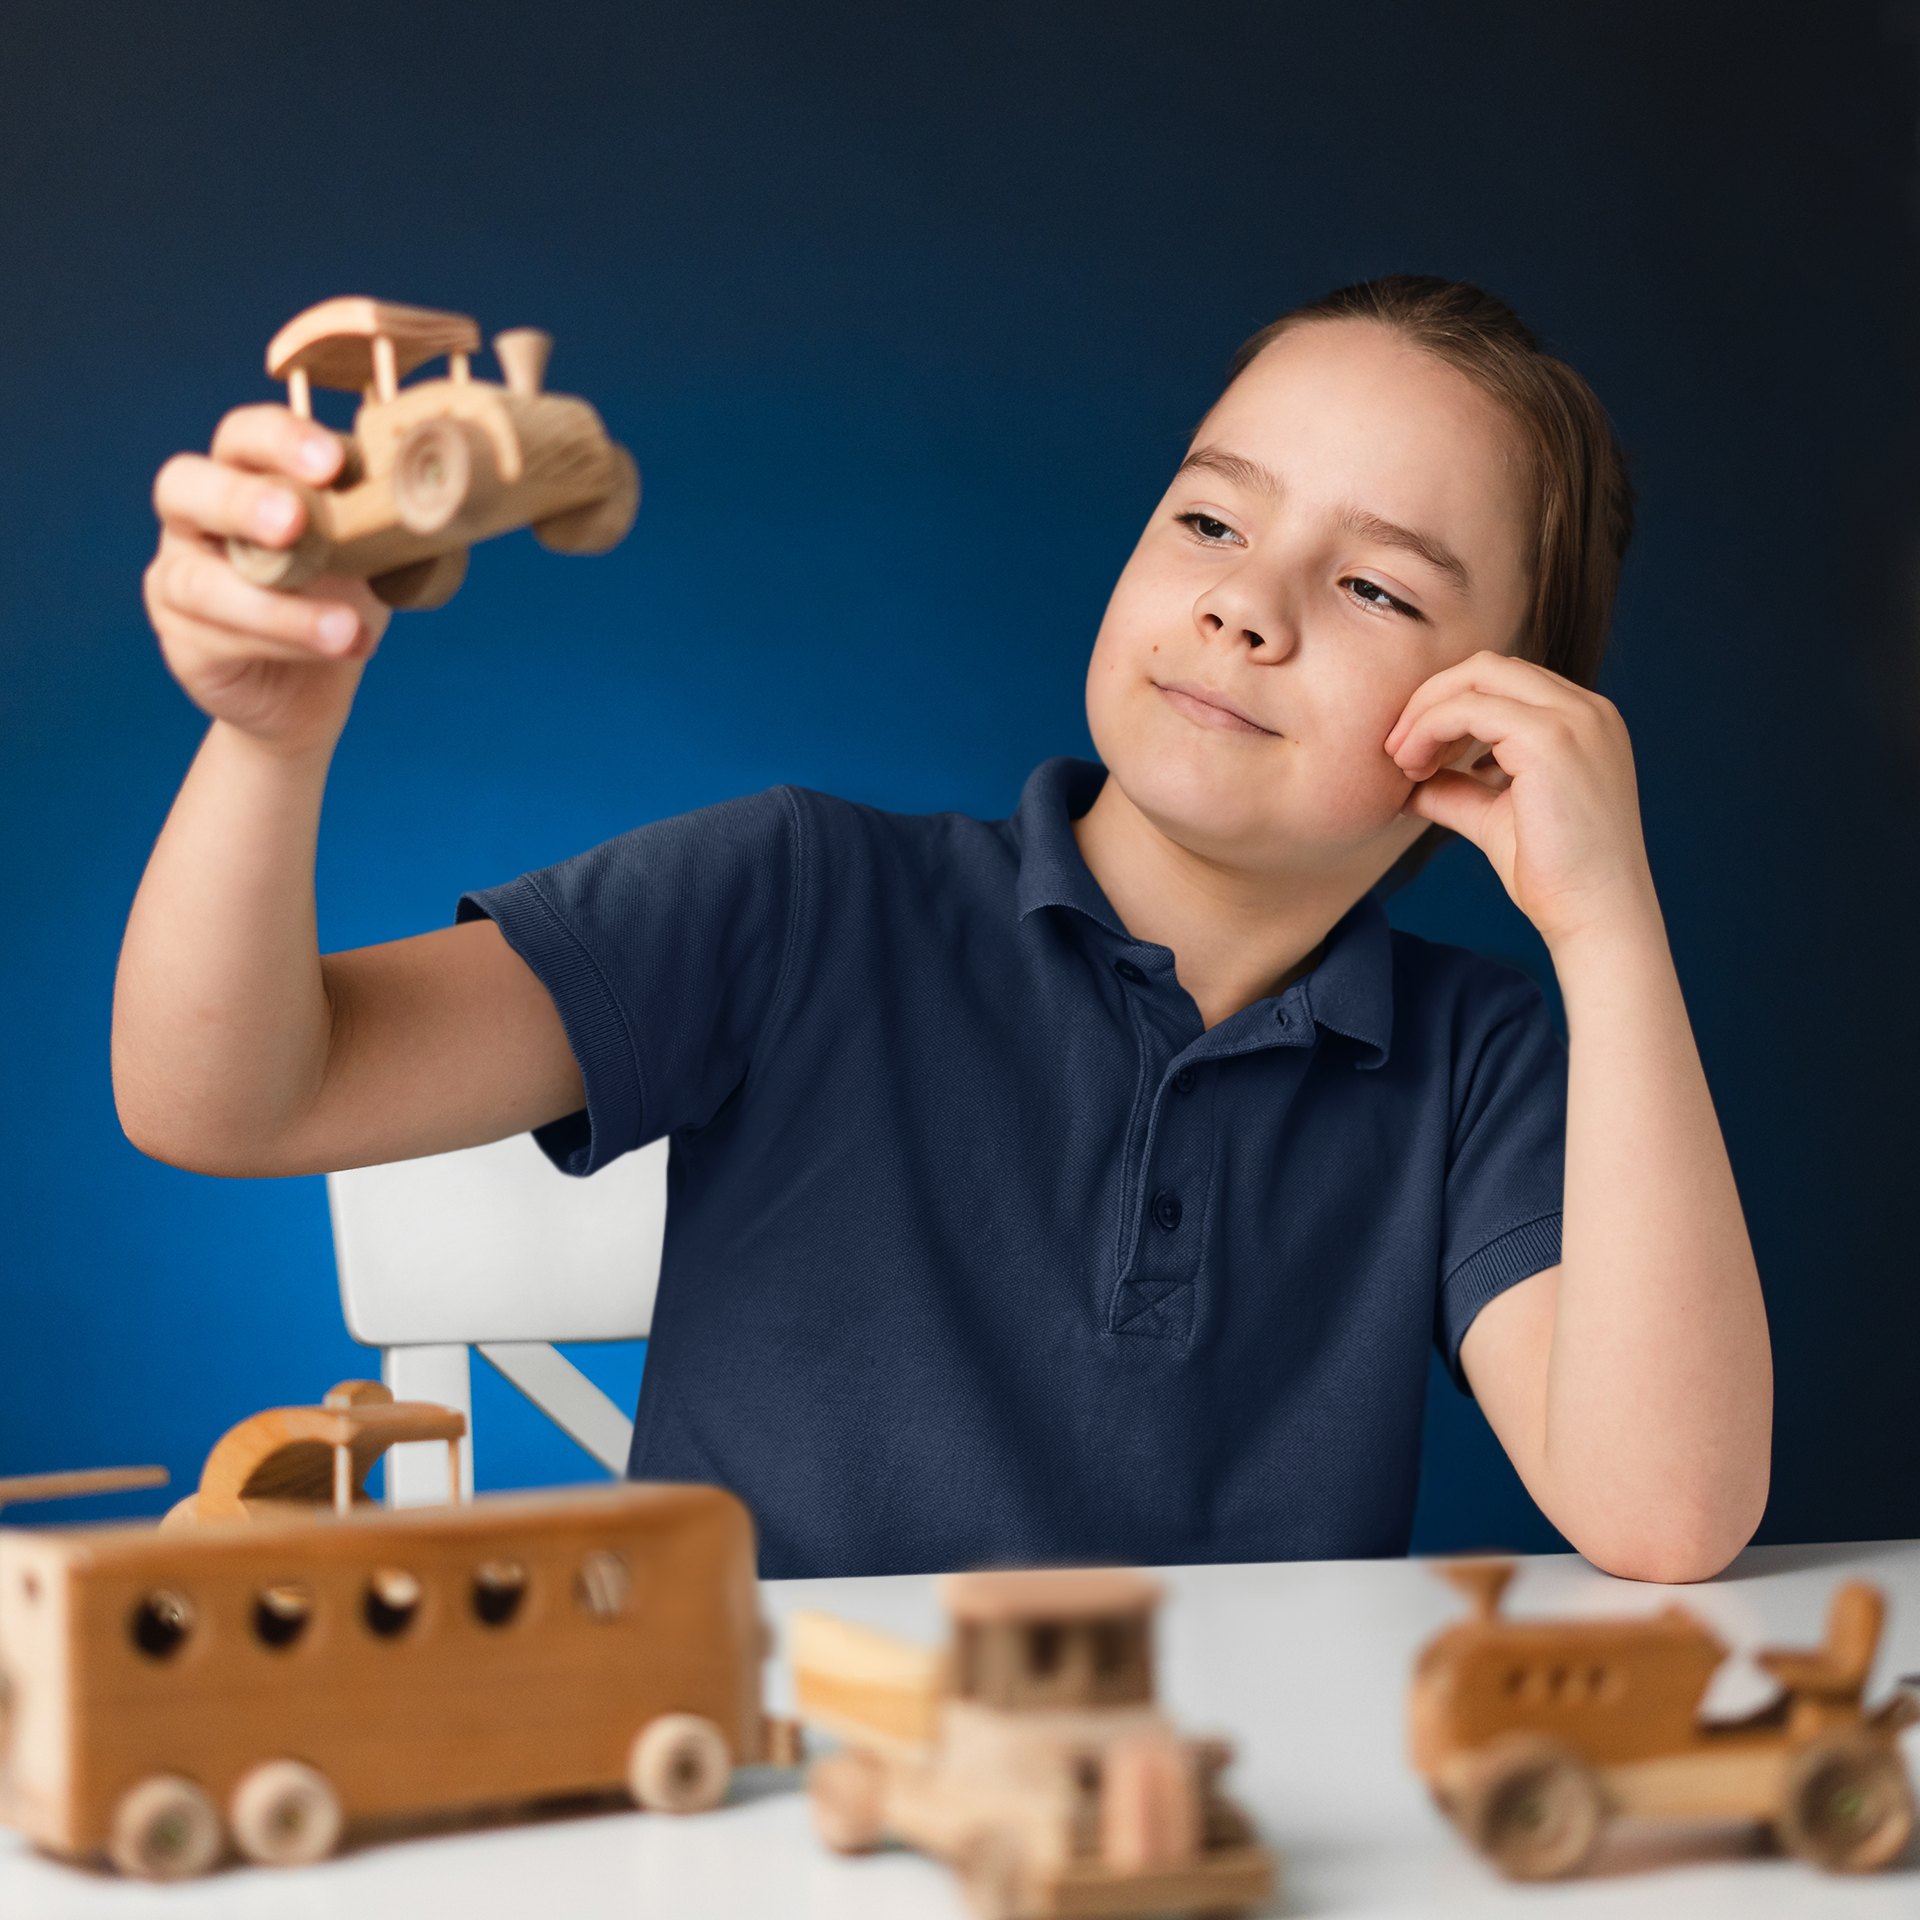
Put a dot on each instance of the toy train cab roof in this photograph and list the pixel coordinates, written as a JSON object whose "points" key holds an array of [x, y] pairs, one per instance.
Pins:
{"points": [[1066, 1637], [339, 342]]}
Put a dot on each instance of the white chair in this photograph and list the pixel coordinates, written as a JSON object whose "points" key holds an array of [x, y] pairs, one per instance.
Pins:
{"points": [[493, 1248]]}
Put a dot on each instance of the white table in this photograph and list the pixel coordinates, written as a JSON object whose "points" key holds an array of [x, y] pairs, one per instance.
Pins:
{"points": [[1305, 1664]]}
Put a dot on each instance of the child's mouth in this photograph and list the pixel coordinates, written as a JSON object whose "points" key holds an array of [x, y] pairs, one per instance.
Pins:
{"points": [[1205, 708]]}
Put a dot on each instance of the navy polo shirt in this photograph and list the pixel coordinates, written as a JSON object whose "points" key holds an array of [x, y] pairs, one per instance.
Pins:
{"points": [[979, 1248]]}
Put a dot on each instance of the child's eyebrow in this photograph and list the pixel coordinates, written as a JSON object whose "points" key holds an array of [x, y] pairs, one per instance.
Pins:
{"points": [[1235, 467], [1389, 533]]}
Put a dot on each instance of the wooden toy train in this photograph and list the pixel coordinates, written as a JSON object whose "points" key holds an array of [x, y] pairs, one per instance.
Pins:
{"points": [[431, 468], [1534, 1733]]}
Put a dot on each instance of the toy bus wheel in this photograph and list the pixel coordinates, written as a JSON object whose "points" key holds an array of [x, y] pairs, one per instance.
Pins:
{"points": [[846, 1791], [679, 1764], [424, 585], [601, 526], [1848, 1806], [164, 1829], [441, 469], [284, 1814], [1530, 1805]]}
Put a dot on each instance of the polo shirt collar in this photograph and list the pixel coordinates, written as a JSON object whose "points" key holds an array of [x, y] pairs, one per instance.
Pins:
{"points": [[1349, 993]]}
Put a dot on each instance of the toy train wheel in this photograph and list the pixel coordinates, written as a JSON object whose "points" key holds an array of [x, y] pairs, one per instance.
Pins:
{"points": [[1848, 1805], [601, 526], [443, 468], [424, 585], [1530, 1805], [847, 1791], [285, 1814], [164, 1829], [679, 1764]]}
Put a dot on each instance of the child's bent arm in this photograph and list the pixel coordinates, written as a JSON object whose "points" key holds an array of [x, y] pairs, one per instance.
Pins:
{"points": [[1632, 1385], [237, 1048], [240, 1050]]}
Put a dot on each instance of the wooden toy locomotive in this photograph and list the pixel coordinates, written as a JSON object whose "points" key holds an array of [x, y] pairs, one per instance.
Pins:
{"points": [[1533, 1733], [272, 1674], [434, 467]]}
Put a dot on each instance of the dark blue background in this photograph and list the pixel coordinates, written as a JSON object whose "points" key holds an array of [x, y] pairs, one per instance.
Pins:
{"points": [[905, 313]]}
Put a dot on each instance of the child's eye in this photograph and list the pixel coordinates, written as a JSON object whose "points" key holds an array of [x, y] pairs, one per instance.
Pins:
{"points": [[1205, 527], [1371, 593]]}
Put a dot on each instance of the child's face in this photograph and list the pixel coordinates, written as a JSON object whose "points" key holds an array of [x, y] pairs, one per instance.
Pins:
{"points": [[1351, 520]]}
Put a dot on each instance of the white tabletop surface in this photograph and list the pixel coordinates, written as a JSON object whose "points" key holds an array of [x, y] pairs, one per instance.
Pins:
{"points": [[1305, 1665]]}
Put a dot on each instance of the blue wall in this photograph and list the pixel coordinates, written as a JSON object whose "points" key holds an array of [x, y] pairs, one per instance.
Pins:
{"points": [[905, 313]]}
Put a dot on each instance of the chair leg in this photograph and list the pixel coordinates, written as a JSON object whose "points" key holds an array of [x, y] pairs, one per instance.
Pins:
{"points": [[417, 1473]]}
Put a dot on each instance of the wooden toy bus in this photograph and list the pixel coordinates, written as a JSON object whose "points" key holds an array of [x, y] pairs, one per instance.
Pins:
{"points": [[266, 1680]]}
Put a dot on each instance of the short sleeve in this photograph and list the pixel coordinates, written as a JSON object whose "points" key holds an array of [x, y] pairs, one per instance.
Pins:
{"points": [[1506, 1161], [665, 952]]}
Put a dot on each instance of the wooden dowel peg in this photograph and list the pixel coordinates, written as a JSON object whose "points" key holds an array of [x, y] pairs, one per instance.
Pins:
{"points": [[63, 1486], [386, 378], [300, 393]]}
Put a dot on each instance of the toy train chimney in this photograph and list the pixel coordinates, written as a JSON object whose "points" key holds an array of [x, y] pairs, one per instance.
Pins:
{"points": [[522, 353], [1482, 1581]]}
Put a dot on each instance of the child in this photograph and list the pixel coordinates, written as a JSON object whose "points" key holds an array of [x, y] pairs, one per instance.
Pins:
{"points": [[1086, 1185]]}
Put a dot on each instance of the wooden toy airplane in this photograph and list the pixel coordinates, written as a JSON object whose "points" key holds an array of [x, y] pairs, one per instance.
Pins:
{"points": [[1533, 1733], [433, 467]]}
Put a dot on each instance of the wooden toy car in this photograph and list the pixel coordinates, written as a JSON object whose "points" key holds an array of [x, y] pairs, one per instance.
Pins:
{"points": [[433, 467], [1031, 1756], [1532, 1733], [284, 1658]]}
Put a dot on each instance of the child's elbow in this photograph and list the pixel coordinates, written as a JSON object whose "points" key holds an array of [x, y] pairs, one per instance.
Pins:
{"points": [[1674, 1542]]}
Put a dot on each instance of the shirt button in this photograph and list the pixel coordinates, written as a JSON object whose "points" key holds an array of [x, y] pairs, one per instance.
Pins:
{"points": [[1279, 1016], [1183, 1080], [1166, 1210], [1128, 971]]}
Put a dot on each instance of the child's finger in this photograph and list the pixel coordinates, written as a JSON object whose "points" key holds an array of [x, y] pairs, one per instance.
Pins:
{"points": [[274, 440], [1456, 801], [197, 496], [1512, 728], [1498, 673], [187, 580]]}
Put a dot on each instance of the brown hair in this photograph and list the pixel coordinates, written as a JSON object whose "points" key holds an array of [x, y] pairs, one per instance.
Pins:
{"points": [[1583, 500]]}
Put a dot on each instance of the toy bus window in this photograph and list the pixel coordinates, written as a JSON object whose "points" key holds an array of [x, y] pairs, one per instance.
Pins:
{"points": [[393, 1601], [603, 1584], [498, 1588], [1112, 1643], [1046, 1642], [280, 1615], [161, 1622]]}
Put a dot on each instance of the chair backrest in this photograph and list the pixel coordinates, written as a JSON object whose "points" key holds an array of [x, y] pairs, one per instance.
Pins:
{"points": [[491, 1247]]}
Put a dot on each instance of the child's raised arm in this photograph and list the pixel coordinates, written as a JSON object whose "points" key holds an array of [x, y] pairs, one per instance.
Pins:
{"points": [[1632, 1385], [237, 1047]]}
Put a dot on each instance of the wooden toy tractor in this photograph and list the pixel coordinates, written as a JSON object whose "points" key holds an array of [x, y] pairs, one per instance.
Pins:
{"points": [[433, 467], [1031, 1756], [1533, 1733]]}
